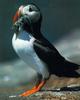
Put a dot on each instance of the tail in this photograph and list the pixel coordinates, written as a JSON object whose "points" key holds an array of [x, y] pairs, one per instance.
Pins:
{"points": [[66, 69], [71, 66]]}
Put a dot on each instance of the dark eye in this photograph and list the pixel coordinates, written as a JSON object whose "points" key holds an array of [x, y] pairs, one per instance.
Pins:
{"points": [[30, 9]]}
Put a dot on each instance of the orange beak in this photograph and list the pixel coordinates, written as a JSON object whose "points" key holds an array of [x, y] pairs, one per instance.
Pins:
{"points": [[18, 14]]}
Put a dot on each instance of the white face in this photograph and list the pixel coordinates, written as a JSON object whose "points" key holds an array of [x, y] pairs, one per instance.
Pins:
{"points": [[32, 12]]}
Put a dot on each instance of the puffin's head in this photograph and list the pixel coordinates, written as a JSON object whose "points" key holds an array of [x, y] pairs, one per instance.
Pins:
{"points": [[28, 18]]}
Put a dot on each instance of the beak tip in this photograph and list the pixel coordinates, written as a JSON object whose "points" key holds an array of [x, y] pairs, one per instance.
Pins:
{"points": [[21, 8]]}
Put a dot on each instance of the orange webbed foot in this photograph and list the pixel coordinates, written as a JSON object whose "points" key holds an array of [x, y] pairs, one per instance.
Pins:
{"points": [[33, 90]]}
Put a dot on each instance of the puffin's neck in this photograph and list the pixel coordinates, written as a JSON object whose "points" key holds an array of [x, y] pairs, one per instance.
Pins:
{"points": [[33, 28], [35, 32]]}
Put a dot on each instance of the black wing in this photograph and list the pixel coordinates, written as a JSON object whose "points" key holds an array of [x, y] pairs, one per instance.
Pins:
{"points": [[55, 62]]}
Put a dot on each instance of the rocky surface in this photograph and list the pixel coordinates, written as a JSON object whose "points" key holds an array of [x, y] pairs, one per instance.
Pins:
{"points": [[46, 96], [13, 82], [55, 89]]}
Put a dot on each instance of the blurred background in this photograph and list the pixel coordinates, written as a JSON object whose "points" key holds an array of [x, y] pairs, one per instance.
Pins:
{"points": [[60, 25]]}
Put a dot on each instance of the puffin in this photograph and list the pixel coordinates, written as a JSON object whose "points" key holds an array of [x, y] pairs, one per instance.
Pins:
{"points": [[35, 50]]}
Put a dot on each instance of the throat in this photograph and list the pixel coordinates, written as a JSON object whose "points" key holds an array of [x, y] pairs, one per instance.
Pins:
{"points": [[23, 35]]}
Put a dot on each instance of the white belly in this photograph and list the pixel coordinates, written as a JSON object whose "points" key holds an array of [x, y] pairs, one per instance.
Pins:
{"points": [[24, 48]]}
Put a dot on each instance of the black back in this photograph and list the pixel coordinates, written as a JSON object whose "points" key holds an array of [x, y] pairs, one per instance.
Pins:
{"points": [[55, 62]]}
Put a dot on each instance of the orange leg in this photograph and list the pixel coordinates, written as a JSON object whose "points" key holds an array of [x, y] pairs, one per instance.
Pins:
{"points": [[33, 90]]}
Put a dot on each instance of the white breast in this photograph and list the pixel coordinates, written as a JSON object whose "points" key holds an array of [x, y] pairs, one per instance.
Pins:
{"points": [[23, 46]]}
